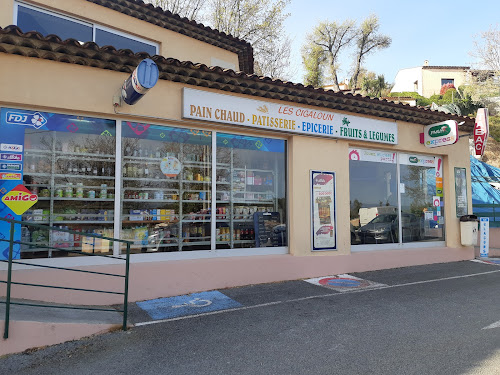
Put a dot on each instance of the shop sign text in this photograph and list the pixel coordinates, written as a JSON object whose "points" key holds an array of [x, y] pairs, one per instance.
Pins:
{"points": [[203, 105], [441, 134]]}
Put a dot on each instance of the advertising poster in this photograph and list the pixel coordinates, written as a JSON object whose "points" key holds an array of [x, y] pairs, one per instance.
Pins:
{"points": [[324, 227], [461, 191]]}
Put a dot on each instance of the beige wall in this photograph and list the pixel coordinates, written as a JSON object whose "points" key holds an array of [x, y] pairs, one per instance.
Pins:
{"points": [[432, 80], [171, 43]]}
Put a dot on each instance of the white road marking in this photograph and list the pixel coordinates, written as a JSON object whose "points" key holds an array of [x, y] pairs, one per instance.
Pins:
{"points": [[494, 325], [318, 296]]}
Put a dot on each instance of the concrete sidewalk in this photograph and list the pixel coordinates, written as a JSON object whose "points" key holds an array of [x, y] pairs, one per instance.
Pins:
{"points": [[32, 327]]}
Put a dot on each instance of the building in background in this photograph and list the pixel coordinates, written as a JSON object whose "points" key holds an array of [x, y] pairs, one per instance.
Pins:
{"points": [[427, 80]]}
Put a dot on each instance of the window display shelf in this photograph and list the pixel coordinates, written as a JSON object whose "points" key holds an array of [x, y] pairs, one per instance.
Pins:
{"points": [[151, 200], [78, 222], [132, 222], [247, 201], [195, 182], [142, 179], [80, 199]]}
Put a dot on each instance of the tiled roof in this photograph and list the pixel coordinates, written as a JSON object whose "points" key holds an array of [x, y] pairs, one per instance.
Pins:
{"points": [[170, 21], [33, 44], [446, 67]]}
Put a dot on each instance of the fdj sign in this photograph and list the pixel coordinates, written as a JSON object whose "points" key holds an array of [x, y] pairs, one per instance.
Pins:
{"points": [[35, 120], [441, 134]]}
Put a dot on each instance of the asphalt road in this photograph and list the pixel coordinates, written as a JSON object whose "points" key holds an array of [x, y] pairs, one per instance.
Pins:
{"points": [[427, 320]]}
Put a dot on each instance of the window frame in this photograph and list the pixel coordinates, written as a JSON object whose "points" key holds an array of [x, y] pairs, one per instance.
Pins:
{"points": [[452, 81], [93, 25], [400, 245]]}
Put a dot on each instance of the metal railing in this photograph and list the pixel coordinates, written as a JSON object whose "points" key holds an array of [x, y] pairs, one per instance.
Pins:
{"points": [[12, 242]]}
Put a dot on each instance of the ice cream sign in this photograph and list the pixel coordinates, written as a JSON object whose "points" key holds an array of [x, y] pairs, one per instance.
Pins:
{"points": [[19, 199], [441, 134]]}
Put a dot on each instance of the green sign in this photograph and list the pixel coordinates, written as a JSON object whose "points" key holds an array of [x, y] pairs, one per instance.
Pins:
{"points": [[439, 130]]}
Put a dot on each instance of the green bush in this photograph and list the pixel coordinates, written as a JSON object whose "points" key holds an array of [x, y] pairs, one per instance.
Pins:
{"points": [[449, 95], [495, 127], [421, 101]]}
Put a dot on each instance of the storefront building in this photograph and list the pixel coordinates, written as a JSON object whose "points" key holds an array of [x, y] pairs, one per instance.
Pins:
{"points": [[220, 178]]}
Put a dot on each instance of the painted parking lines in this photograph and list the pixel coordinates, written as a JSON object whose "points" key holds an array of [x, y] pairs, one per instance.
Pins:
{"points": [[200, 313], [191, 304], [487, 261], [344, 283]]}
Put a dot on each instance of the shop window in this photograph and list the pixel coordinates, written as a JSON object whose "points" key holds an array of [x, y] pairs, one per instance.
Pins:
{"points": [[69, 162], [166, 190], [47, 22], [374, 196], [395, 203], [421, 198], [250, 192]]}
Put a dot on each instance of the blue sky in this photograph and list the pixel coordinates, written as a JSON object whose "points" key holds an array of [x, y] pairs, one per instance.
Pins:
{"points": [[441, 31]]}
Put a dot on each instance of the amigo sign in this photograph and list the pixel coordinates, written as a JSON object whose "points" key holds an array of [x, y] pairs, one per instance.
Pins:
{"points": [[441, 134], [19, 199]]}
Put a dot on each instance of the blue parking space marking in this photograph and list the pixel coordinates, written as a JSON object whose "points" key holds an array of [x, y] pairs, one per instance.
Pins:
{"points": [[346, 283], [493, 261], [191, 304]]}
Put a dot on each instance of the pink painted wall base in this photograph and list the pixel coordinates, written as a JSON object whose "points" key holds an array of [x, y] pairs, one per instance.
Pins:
{"points": [[172, 278]]}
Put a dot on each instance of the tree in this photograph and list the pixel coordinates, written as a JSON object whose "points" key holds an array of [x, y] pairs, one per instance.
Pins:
{"points": [[327, 40], [374, 87], [259, 22], [487, 49], [185, 8], [368, 41], [313, 60]]}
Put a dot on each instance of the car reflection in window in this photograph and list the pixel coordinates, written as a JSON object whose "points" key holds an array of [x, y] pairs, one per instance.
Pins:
{"points": [[384, 229]]}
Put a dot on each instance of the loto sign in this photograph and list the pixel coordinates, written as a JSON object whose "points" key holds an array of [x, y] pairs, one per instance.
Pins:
{"points": [[441, 134], [481, 132]]}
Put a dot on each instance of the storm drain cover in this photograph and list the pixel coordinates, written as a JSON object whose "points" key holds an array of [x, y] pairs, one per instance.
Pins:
{"points": [[191, 304], [343, 283]]}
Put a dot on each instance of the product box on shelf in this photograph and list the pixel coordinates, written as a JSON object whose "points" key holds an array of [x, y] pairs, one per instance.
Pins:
{"points": [[136, 215]]}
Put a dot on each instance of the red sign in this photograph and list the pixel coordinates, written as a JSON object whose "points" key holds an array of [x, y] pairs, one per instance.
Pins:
{"points": [[481, 131]]}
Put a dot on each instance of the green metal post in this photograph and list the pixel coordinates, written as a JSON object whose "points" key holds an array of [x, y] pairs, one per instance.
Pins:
{"points": [[125, 295], [9, 280]]}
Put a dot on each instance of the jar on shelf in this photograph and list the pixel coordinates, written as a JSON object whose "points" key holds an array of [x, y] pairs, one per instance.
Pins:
{"points": [[79, 190], [68, 191]]}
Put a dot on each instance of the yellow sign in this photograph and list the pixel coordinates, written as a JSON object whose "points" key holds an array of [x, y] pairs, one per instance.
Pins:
{"points": [[19, 199]]}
